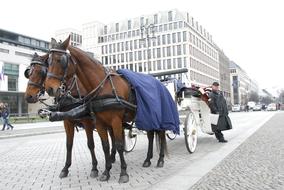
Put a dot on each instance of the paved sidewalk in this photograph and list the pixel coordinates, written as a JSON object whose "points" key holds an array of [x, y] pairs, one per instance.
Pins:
{"points": [[256, 164], [30, 129]]}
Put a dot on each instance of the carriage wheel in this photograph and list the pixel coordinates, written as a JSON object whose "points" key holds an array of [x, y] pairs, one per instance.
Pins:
{"points": [[129, 140], [171, 135], [190, 132]]}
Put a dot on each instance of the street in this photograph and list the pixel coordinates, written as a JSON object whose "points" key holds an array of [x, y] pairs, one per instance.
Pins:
{"points": [[34, 162]]}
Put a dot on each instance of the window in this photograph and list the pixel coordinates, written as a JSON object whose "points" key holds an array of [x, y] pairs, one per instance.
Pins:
{"points": [[165, 27], [179, 50], [174, 38], [170, 16], [174, 50], [179, 36], [184, 49], [118, 47], [139, 55], [129, 25], [142, 21], [130, 56], [164, 39], [184, 36], [169, 65], [168, 38], [105, 29], [155, 19], [158, 52], [175, 25], [168, 51], [158, 40], [159, 66], [179, 62]]}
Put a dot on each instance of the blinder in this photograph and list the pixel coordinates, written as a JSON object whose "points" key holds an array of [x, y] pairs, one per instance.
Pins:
{"points": [[27, 72], [64, 61]]}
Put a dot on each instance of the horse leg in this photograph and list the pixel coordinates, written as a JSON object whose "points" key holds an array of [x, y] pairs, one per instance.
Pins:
{"points": [[119, 144], [69, 130], [150, 135], [163, 148], [91, 146], [105, 144], [113, 148]]}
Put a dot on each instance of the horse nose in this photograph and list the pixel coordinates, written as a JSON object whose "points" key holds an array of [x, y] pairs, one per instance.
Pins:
{"points": [[30, 99], [50, 91]]}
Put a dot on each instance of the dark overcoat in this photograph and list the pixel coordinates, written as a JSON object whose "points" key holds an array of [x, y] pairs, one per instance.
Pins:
{"points": [[218, 105]]}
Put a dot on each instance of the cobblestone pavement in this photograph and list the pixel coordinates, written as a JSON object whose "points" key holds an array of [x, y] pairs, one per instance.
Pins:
{"points": [[30, 129], [256, 164], [35, 162]]}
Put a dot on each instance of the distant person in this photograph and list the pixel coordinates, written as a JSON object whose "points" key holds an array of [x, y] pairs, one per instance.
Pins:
{"points": [[5, 115], [247, 108], [218, 105]]}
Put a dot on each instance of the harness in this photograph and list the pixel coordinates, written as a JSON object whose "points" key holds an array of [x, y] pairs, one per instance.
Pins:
{"points": [[92, 101]]}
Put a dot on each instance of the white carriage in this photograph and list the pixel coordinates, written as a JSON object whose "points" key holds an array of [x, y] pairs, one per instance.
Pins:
{"points": [[193, 111]]}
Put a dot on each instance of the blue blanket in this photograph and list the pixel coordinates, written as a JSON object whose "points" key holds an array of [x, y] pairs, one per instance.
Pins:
{"points": [[156, 109]]}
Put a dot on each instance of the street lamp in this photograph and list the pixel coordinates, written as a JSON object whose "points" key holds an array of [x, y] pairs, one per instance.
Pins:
{"points": [[147, 33]]}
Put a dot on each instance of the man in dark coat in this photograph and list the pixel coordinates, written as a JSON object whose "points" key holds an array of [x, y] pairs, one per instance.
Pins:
{"points": [[218, 105]]}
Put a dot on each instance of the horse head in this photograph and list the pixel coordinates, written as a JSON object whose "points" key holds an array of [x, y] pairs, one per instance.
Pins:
{"points": [[36, 73], [58, 67]]}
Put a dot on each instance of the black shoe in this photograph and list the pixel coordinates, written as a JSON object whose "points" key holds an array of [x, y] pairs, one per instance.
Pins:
{"points": [[223, 141]]}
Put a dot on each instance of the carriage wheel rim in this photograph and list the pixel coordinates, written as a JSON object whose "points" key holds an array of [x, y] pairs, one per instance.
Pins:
{"points": [[192, 133]]}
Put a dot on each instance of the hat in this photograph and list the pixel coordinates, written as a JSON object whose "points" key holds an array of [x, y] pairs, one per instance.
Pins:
{"points": [[215, 84]]}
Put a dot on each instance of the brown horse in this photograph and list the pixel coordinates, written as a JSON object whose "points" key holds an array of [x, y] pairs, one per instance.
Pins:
{"points": [[36, 73], [99, 82]]}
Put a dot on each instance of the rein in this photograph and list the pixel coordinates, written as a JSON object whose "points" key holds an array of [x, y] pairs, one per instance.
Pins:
{"points": [[95, 92]]}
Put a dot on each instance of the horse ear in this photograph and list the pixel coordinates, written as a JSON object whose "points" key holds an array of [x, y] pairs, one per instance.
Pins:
{"points": [[66, 43], [53, 42], [36, 55]]}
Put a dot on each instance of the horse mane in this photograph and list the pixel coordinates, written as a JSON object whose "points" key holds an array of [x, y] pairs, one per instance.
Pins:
{"points": [[77, 52]]}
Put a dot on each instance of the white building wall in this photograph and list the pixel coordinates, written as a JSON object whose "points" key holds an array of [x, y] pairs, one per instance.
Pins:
{"points": [[197, 52]]}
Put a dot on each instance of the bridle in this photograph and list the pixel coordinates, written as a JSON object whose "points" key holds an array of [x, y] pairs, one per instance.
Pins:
{"points": [[64, 62], [43, 72]]}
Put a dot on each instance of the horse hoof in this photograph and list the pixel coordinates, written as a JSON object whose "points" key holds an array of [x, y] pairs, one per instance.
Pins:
{"points": [[160, 164], [104, 177], [123, 178], [146, 164], [94, 173], [63, 174]]}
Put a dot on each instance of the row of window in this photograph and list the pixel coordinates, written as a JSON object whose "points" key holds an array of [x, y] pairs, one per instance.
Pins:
{"points": [[203, 68], [203, 57], [157, 65], [137, 32], [76, 38], [200, 78], [154, 53], [165, 39], [202, 46], [33, 42]]}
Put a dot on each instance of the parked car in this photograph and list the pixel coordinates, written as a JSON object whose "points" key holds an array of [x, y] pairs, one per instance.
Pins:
{"points": [[257, 107], [236, 108], [271, 107]]}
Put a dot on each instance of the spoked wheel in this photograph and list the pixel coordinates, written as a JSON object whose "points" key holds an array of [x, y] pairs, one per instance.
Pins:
{"points": [[171, 135], [130, 139], [190, 132]]}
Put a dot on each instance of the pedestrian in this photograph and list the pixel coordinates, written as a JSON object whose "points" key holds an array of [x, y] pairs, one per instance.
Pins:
{"points": [[5, 115], [218, 105]]}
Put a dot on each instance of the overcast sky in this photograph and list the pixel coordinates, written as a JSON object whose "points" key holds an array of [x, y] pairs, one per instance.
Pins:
{"points": [[251, 32]]}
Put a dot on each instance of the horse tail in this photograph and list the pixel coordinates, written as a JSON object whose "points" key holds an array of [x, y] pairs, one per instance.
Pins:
{"points": [[159, 136]]}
